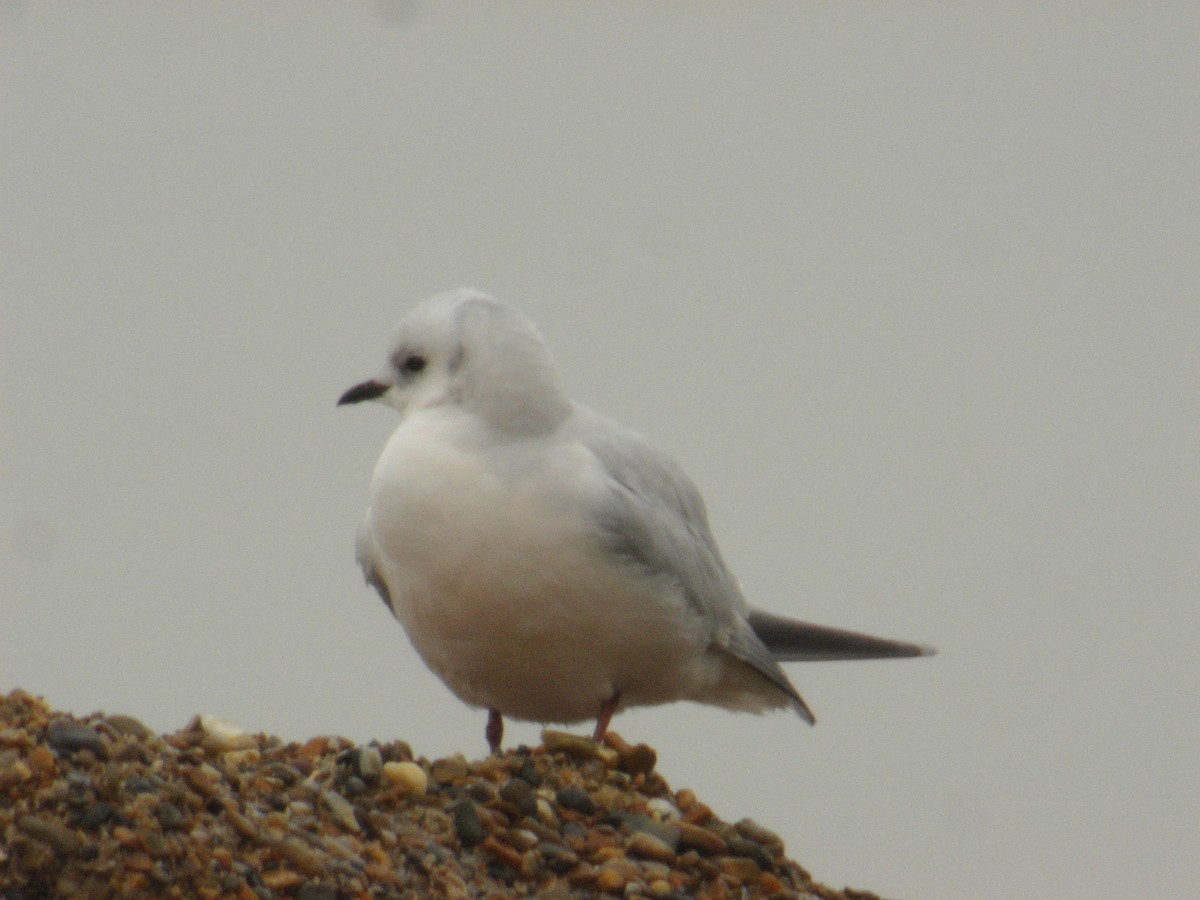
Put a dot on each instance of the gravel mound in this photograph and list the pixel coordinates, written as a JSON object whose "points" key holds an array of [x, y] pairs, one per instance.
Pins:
{"points": [[101, 806]]}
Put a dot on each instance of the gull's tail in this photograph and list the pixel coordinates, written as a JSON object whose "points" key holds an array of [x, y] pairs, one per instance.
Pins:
{"points": [[790, 640]]}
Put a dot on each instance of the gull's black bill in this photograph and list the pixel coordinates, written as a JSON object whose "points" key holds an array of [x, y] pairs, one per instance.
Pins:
{"points": [[368, 390]]}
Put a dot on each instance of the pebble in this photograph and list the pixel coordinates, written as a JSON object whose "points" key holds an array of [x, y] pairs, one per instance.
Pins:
{"points": [[219, 735], [648, 846], [67, 736], [214, 812], [467, 826], [408, 777], [751, 830], [48, 831], [520, 794], [663, 809], [368, 762], [576, 799], [697, 838], [341, 808], [579, 746]]}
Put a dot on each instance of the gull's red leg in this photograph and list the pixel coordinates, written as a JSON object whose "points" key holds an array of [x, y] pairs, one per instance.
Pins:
{"points": [[606, 714], [494, 732]]}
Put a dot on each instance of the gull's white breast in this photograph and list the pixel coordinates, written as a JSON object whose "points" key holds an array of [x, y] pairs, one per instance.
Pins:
{"points": [[499, 570]]}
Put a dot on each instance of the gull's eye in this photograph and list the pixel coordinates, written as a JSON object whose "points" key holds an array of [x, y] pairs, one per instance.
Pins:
{"points": [[412, 364]]}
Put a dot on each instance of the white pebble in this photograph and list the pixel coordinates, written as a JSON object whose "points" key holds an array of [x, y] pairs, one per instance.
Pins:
{"points": [[407, 776], [221, 735], [662, 809]]}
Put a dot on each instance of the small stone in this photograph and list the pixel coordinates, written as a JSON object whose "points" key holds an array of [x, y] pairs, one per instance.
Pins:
{"points": [[610, 881], [522, 838], [579, 746], [467, 825], [520, 794], [41, 762], [169, 815], [743, 871], [558, 858], [220, 736], [663, 808], [748, 828], [240, 759], [701, 839], [576, 799], [313, 891], [342, 810], [408, 777], [48, 831], [96, 815], [741, 846], [506, 854], [648, 846], [368, 762], [136, 784], [282, 879], [449, 770], [668, 833], [300, 855], [545, 812], [634, 758], [68, 736]]}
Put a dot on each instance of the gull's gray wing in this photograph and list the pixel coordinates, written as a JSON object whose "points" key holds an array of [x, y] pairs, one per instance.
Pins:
{"points": [[654, 516]]}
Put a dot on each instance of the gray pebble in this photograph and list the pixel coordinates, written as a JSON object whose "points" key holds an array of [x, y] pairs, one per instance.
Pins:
{"points": [[169, 815], [668, 834], [520, 794], [67, 736], [136, 784], [467, 826], [369, 763], [96, 815], [576, 799], [558, 858]]}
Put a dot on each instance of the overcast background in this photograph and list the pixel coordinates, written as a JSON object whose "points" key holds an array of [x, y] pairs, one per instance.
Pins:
{"points": [[910, 290]]}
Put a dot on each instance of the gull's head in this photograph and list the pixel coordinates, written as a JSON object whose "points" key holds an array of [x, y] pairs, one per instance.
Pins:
{"points": [[467, 349]]}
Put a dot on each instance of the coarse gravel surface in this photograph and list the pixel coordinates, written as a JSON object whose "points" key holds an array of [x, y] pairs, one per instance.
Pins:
{"points": [[100, 806]]}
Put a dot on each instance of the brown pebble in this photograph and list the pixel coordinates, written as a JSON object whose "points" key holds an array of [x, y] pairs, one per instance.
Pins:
{"points": [[636, 759], [579, 746], [697, 813], [41, 762], [748, 828], [742, 870], [610, 881], [771, 885], [650, 847], [282, 879], [449, 770], [48, 831], [502, 852], [300, 855], [700, 839]]}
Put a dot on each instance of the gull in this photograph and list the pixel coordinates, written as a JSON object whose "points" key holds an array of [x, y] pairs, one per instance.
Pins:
{"points": [[547, 563]]}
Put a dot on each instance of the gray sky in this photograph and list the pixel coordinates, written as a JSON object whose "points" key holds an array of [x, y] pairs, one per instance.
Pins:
{"points": [[910, 290]]}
